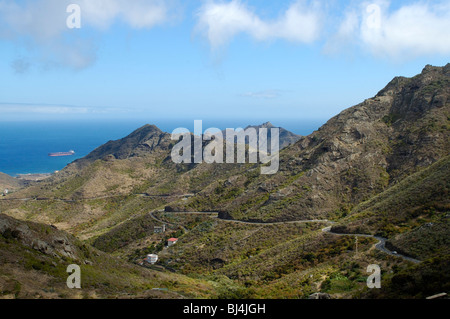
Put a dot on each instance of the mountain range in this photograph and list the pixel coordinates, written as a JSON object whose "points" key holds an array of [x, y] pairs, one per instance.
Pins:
{"points": [[378, 169]]}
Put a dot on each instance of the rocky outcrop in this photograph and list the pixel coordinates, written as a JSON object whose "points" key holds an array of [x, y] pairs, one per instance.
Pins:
{"points": [[54, 243]]}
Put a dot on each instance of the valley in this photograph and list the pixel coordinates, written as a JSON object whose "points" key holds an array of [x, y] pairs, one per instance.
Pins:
{"points": [[371, 186]]}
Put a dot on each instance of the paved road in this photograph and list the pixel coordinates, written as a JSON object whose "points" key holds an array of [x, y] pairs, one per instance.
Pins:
{"points": [[381, 245], [250, 222], [279, 223]]}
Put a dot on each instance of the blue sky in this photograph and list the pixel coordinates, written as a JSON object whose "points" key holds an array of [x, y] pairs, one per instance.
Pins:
{"points": [[261, 60]]}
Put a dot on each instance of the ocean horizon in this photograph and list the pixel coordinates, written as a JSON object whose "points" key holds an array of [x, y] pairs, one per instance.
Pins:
{"points": [[24, 146]]}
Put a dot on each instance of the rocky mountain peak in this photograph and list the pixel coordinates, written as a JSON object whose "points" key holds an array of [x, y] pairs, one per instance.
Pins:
{"points": [[145, 131], [140, 142], [267, 125], [286, 137], [430, 68], [430, 75]]}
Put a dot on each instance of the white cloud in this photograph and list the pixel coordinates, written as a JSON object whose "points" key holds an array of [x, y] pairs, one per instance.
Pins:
{"points": [[220, 22], [137, 13], [412, 30], [345, 33], [39, 27]]}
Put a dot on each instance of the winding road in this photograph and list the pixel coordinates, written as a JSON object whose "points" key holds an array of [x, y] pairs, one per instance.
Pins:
{"points": [[381, 245]]}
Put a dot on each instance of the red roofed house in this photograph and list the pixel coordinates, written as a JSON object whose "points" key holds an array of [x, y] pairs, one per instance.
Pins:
{"points": [[172, 241]]}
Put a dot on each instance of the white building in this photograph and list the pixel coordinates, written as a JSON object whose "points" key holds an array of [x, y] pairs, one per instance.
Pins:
{"points": [[152, 258], [159, 229]]}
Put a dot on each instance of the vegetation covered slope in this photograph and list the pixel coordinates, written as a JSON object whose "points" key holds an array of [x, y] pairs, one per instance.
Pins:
{"points": [[356, 155], [414, 214], [379, 168], [8, 182], [117, 181], [34, 259], [420, 198]]}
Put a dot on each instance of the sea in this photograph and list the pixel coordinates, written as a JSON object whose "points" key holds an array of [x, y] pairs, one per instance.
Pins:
{"points": [[24, 146]]}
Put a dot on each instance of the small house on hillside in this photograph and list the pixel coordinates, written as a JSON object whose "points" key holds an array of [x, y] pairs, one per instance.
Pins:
{"points": [[172, 241], [151, 259], [159, 229]]}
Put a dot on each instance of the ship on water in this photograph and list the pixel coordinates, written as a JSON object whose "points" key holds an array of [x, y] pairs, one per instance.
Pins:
{"points": [[59, 154]]}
